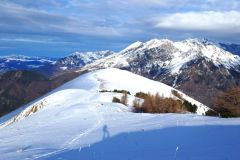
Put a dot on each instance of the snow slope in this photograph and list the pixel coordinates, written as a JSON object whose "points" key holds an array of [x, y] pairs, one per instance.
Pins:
{"points": [[76, 121]]}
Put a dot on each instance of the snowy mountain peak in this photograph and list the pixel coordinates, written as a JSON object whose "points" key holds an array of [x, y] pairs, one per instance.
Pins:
{"points": [[193, 45], [207, 49], [139, 46], [79, 59], [156, 43], [198, 43], [132, 47]]}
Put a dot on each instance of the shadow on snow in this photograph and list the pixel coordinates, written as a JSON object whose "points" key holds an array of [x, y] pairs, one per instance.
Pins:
{"points": [[177, 143]]}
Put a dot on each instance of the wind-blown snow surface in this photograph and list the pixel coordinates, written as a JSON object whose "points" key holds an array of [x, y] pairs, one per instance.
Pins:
{"points": [[76, 121]]}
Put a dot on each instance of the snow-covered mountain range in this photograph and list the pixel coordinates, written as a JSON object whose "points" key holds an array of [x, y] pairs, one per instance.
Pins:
{"points": [[80, 59], [194, 66], [77, 120], [173, 56], [20, 62], [169, 55], [50, 66]]}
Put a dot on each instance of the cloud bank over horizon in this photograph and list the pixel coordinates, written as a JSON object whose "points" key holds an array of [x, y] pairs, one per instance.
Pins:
{"points": [[58, 27]]}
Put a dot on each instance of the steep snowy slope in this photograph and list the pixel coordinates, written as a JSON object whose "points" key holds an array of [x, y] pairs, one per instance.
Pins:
{"points": [[76, 121]]}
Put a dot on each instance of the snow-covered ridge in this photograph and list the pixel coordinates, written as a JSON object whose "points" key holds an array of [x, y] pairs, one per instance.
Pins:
{"points": [[24, 58], [87, 87], [76, 120], [94, 53], [138, 46], [132, 47]]}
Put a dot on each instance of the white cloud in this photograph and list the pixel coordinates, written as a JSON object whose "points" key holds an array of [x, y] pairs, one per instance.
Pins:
{"points": [[191, 4], [122, 20], [227, 22]]}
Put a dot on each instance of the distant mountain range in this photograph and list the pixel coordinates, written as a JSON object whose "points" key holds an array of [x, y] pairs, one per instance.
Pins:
{"points": [[198, 67], [76, 60], [50, 66], [20, 62]]}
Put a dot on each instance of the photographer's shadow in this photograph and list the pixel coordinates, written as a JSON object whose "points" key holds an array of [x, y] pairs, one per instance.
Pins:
{"points": [[106, 133]]}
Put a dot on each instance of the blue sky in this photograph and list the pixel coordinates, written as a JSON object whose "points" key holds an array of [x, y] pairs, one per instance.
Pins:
{"points": [[56, 28]]}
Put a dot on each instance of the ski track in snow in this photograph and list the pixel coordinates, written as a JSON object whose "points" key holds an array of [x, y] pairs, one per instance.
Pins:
{"points": [[96, 126], [91, 129]]}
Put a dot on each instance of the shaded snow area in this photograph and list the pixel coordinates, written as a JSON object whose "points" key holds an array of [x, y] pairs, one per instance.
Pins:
{"points": [[77, 122]]}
